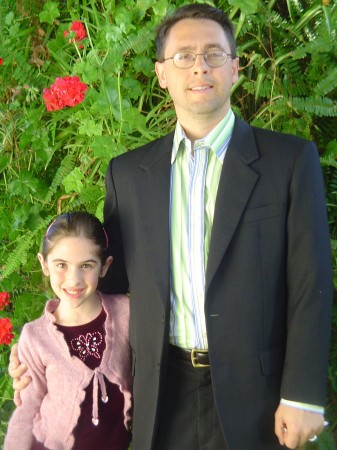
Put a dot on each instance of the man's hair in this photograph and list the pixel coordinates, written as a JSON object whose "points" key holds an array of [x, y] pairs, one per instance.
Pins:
{"points": [[194, 11]]}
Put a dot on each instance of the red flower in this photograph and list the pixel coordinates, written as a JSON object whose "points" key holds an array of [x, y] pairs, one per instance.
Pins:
{"points": [[66, 91], [79, 30], [4, 300], [1, 61], [6, 334]]}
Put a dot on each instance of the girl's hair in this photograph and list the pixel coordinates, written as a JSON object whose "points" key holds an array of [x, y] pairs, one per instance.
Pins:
{"points": [[194, 11], [76, 224]]}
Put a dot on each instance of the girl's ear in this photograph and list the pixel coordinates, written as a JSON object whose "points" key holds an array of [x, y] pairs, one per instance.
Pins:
{"points": [[106, 266], [43, 263]]}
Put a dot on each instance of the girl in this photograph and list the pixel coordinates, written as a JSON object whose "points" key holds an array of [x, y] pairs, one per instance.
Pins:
{"points": [[77, 353]]}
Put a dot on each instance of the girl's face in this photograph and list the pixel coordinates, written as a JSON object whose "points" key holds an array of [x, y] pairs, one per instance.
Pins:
{"points": [[74, 269]]}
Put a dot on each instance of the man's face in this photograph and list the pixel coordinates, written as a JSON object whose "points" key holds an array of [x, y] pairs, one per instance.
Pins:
{"points": [[200, 91]]}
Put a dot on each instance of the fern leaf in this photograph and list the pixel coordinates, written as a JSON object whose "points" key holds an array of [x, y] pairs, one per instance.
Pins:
{"points": [[328, 161], [18, 256], [327, 84], [315, 105], [139, 42], [66, 166], [6, 388]]}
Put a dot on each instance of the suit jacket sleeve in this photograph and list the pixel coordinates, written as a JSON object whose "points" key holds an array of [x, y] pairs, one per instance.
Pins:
{"points": [[309, 283], [116, 280]]}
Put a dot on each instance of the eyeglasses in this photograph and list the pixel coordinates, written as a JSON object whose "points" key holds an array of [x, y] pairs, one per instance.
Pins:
{"points": [[186, 60]]}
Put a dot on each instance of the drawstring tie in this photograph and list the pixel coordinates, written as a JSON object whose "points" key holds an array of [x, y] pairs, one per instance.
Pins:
{"points": [[98, 379]]}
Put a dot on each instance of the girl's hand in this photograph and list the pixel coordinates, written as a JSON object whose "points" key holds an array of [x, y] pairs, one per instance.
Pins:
{"points": [[16, 371]]}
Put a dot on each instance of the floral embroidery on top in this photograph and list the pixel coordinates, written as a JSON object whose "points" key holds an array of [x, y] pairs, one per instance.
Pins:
{"points": [[87, 345]]}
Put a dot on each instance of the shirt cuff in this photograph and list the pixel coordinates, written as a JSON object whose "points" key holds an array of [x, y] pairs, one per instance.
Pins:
{"points": [[304, 406]]}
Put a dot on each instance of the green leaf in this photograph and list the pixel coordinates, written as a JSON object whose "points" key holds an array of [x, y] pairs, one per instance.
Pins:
{"points": [[65, 167], [102, 146], [89, 127], [327, 83], [99, 210], [87, 72], [134, 87], [143, 64], [73, 181], [91, 195], [9, 18], [133, 120], [4, 161], [246, 6], [28, 304], [26, 185], [114, 34], [316, 105], [159, 7], [49, 13], [27, 214]]}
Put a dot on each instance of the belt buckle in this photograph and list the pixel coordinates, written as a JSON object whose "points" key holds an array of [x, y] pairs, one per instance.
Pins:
{"points": [[194, 358]]}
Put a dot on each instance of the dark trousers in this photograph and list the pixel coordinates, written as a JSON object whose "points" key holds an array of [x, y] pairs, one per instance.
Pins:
{"points": [[188, 417]]}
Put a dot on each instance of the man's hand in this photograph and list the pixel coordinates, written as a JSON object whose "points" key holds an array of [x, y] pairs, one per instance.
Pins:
{"points": [[294, 426], [16, 370]]}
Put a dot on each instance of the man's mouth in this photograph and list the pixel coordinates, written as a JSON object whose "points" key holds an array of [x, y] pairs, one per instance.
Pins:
{"points": [[201, 88]]}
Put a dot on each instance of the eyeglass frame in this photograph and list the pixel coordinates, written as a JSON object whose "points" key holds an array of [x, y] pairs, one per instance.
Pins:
{"points": [[228, 55]]}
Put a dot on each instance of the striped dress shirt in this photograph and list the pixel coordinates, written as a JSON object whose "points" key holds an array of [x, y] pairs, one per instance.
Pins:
{"points": [[195, 175]]}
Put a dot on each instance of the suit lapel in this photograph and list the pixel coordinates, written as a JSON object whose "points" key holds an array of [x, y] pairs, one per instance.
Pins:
{"points": [[155, 170], [236, 184]]}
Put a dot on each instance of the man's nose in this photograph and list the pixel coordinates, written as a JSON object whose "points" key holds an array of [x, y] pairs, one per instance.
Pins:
{"points": [[200, 63]]}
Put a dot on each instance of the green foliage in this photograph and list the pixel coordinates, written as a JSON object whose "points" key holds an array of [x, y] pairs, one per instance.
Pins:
{"points": [[52, 162], [50, 12]]}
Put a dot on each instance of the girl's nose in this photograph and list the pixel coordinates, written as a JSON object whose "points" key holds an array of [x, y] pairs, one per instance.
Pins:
{"points": [[73, 276]]}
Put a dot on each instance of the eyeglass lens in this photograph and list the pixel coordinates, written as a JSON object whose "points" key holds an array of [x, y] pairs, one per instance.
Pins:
{"points": [[212, 59]]}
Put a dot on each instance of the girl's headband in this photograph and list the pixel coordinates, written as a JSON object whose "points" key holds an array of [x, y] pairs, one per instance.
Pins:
{"points": [[105, 233]]}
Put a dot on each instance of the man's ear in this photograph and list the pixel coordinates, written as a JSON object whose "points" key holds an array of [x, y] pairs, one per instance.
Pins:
{"points": [[105, 266], [161, 74], [44, 265], [235, 69]]}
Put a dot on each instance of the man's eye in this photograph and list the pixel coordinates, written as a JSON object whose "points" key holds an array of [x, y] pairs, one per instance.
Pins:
{"points": [[215, 54], [185, 56]]}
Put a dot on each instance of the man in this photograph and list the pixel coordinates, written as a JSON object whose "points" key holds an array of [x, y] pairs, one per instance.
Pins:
{"points": [[224, 246]]}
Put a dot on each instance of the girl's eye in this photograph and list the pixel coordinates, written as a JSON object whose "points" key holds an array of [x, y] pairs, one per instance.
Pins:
{"points": [[61, 266], [86, 266]]}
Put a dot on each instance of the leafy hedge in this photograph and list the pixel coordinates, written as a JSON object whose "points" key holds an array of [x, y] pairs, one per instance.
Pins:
{"points": [[54, 161]]}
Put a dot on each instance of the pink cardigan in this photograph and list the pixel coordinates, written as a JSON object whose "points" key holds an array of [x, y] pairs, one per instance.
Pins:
{"points": [[51, 404]]}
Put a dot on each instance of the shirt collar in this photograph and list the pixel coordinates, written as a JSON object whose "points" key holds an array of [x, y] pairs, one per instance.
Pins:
{"points": [[218, 138]]}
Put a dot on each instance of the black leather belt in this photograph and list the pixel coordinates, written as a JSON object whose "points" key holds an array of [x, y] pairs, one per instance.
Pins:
{"points": [[197, 357]]}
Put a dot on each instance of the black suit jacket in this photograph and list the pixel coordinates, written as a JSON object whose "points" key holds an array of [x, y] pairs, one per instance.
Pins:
{"points": [[268, 279]]}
